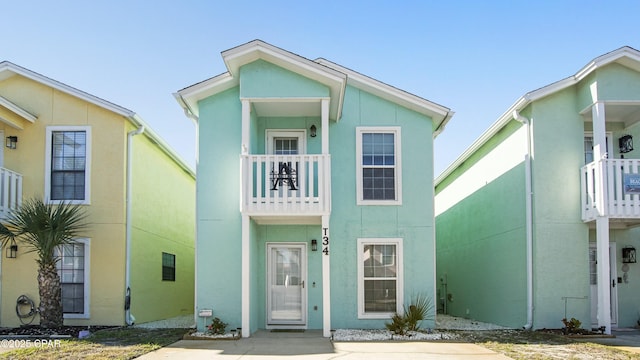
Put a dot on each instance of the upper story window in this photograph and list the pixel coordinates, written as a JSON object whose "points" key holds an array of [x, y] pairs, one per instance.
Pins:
{"points": [[67, 164], [378, 166]]}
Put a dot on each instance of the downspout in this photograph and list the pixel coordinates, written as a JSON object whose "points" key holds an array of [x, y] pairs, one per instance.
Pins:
{"points": [[529, 219], [128, 317]]}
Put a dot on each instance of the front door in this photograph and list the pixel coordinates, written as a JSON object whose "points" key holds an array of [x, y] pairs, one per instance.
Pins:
{"points": [[286, 277], [613, 284]]}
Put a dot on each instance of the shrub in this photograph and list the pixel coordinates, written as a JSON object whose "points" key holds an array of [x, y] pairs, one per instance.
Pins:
{"points": [[217, 327], [571, 326], [418, 310]]}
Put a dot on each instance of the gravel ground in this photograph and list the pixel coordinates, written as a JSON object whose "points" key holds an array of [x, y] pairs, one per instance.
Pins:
{"points": [[179, 322]]}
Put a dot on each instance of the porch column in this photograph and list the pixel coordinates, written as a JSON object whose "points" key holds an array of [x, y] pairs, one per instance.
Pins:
{"points": [[326, 278], [325, 125], [602, 221], [246, 117], [246, 273]]}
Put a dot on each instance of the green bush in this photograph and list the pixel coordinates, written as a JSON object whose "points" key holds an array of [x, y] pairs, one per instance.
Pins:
{"points": [[217, 327], [418, 310]]}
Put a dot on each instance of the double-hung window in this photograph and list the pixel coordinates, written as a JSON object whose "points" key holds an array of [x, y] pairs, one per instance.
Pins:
{"points": [[68, 164], [380, 281], [73, 269], [378, 166]]}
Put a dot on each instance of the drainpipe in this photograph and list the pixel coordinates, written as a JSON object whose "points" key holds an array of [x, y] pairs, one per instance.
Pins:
{"points": [[128, 317], [529, 219]]}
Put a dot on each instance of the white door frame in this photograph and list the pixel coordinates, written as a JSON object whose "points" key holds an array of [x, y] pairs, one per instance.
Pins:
{"points": [[272, 134], [302, 284]]}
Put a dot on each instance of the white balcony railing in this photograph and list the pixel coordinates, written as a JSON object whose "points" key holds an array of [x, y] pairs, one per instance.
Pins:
{"points": [[286, 184], [619, 180], [10, 191]]}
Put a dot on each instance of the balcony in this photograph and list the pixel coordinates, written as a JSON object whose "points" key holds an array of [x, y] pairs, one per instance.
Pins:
{"points": [[10, 191], [619, 198], [286, 187]]}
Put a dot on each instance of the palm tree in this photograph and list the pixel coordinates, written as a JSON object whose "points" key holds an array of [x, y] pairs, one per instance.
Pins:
{"points": [[43, 228]]}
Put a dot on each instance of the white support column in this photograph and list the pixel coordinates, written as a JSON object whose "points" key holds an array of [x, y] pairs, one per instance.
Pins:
{"points": [[325, 125], [246, 277], [246, 124], [602, 221], [326, 277]]}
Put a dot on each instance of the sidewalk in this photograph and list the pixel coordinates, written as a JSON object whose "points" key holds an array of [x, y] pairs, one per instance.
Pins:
{"points": [[311, 345]]}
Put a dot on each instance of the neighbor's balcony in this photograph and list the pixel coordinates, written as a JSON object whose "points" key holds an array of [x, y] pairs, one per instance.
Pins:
{"points": [[10, 191], [620, 181], [286, 185]]}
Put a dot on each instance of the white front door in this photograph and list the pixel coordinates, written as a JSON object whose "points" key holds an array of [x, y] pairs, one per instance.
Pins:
{"points": [[613, 284], [286, 288]]}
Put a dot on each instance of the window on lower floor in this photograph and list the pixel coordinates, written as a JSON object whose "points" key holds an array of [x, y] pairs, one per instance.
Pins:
{"points": [[380, 285], [73, 269], [168, 267]]}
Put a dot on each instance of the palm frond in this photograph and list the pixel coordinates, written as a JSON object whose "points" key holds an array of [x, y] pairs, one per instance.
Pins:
{"points": [[44, 227]]}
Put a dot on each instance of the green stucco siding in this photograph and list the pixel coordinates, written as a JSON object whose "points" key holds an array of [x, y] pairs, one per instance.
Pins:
{"points": [[412, 221], [163, 220], [261, 79]]}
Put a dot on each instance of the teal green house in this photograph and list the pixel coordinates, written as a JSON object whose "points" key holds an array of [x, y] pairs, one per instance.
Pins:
{"points": [[538, 219], [314, 194]]}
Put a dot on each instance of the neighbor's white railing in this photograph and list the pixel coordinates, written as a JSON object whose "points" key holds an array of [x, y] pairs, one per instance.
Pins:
{"points": [[602, 189], [10, 191], [286, 184]]}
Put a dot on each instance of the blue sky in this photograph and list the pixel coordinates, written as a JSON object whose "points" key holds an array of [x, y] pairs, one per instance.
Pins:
{"points": [[475, 57]]}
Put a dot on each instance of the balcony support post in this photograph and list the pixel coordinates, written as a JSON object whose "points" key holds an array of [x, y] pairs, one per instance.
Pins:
{"points": [[325, 125], [246, 124], [602, 219]]}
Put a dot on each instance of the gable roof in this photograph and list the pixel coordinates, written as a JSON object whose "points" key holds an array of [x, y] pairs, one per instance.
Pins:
{"points": [[9, 69], [328, 73], [625, 55], [440, 114]]}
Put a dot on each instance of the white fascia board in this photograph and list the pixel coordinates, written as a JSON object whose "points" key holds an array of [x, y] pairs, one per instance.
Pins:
{"points": [[17, 110], [8, 66], [626, 56], [438, 113], [188, 97], [334, 79]]}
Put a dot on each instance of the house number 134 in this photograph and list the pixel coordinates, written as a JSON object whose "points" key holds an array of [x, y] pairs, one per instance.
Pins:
{"points": [[325, 241]]}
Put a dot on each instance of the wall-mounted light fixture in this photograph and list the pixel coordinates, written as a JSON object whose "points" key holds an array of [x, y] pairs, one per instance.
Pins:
{"points": [[628, 255], [12, 249], [625, 143], [314, 245], [11, 142], [312, 131]]}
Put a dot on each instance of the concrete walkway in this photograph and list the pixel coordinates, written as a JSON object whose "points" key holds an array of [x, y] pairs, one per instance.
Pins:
{"points": [[625, 339], [311, 345]]}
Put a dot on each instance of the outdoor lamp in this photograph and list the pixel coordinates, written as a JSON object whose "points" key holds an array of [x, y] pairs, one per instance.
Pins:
{"points": [[11, 142], [12, 250], [312, 131], [314, 245], [628, 255]]}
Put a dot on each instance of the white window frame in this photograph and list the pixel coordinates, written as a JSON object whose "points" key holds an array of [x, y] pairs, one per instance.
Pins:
{"points": [[87, 287], [395, 130], [272, 134], [87, 171], [399, 277]]}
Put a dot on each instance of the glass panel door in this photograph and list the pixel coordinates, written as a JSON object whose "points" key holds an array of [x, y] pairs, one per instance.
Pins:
{"points": [[286, 298]]}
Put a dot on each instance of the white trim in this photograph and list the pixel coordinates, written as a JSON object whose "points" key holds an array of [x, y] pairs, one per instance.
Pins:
{"points": [[396, 131], [399, 277], [246, 277], [625, 55], [17, 110], [87, 277], [280, 324], [47, 170], [300, 134], [326, 279]]}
